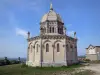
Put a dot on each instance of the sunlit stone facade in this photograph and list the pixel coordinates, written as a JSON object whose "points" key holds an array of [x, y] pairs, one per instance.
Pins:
{"points": [[53, 47]]}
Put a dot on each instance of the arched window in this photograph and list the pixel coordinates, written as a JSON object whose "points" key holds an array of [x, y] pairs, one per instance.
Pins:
{"points": [[50, 29], [67, 47], [71, 46], [47, 47], [37, 48], [61, 30], [58, 48], [53, 29]]}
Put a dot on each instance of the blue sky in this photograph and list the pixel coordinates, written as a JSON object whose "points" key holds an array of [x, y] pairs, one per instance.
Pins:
{"points": [[19, 16]]}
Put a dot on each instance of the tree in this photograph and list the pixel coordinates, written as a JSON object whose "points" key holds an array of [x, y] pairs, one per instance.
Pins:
{"points": [[6, 58], [19, 61], [6, 61], [2, 62], [18, 58]]}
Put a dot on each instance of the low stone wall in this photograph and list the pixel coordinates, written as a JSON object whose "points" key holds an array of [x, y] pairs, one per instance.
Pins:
{"points": [[91, 56]]}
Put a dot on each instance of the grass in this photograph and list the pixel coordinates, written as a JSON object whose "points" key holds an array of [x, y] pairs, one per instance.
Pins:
{"points": [[24, 70]]}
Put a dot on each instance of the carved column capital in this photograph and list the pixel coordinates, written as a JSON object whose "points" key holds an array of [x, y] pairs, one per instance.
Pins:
{"points": [[53, 46]]}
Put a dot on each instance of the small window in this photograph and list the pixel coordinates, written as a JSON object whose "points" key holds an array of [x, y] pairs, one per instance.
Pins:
{"points": [[47, 47], [58, 48]]}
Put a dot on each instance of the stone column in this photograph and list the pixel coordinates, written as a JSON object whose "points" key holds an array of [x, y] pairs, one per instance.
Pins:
{"points": [[46, 28], [65, 52], [41, 52], [54, 30], [28, 34], [53, 53], [57, 30], [28, 53], [34, 53]]}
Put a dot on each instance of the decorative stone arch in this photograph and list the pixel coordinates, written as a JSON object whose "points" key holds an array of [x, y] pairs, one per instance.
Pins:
{"points": [[34, 44], [45, 42], [29, 45], [56, 42]]}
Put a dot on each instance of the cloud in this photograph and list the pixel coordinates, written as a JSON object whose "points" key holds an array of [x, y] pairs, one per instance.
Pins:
{"points": [[68, 25], [21, 32], [13, 22], [71, 33]]}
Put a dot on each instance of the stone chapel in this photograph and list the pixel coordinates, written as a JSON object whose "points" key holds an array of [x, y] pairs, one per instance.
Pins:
{"points": [[53, 47]]}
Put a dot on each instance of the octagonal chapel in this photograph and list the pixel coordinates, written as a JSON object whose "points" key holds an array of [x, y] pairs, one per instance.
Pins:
{"points": [[53, 47]]}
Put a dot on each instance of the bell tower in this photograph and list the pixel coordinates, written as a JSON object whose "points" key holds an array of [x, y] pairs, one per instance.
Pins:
{"points": [[52, 24]]}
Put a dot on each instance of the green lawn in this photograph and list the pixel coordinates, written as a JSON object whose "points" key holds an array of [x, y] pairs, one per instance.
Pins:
{"points": [[19, 70]]}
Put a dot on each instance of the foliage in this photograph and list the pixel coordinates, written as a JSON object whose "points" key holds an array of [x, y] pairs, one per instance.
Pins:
{"points": [[2, 62], [5, 61], [87, 60]]}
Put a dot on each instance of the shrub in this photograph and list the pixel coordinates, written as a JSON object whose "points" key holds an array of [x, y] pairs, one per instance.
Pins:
{"points": [[2, 62], [87, 60], [24, 65]]}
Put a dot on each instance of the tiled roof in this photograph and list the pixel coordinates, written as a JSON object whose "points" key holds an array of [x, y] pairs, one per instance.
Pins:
{"points": [[93, 46]]}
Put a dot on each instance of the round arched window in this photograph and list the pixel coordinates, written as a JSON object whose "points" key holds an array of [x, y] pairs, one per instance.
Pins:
{"points": [[47, 47], [58, 48]]}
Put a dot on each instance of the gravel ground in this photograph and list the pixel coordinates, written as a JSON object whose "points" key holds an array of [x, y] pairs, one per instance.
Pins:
{"points": [[93, 67]]}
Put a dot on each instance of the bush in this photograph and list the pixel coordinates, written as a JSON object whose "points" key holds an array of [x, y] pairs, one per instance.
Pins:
{"points": [[24, 65], [7, 62], [2, 62], [87, 60]]}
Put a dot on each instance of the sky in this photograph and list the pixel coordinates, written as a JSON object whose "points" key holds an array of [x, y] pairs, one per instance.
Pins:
{"points": [[17, 17]]}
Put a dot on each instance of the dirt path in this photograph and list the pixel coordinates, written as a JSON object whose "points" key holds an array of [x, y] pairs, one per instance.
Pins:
{"points": [[93, 67]]}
